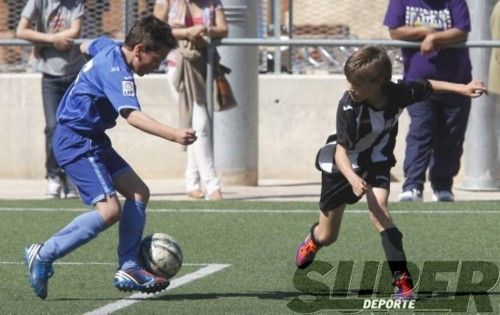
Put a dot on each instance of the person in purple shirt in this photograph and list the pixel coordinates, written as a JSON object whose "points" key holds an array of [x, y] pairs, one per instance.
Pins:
{"points": [[436, 133]]}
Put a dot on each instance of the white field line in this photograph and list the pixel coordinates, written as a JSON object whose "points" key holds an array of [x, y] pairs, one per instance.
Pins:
{"points": [[269, 211], [137, 297]]}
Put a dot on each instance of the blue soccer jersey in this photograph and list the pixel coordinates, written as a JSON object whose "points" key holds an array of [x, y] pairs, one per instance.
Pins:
{"points": [[103, 88]]}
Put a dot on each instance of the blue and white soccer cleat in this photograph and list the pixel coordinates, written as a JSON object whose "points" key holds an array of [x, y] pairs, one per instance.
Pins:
{"points": [[139, 279], [39, 271]]}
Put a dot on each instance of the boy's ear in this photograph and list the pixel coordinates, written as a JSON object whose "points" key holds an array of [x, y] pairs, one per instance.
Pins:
{"points": [[139, 49]]}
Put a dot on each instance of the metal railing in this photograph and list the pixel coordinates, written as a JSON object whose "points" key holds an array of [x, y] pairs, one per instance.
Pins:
{"points": [[290, 42], [319, 42]]}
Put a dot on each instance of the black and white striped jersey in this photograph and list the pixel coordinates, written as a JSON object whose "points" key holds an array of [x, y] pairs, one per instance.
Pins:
{"points": [[370, 134]]}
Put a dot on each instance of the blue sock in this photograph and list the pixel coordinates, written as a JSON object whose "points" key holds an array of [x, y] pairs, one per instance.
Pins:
{"points": [[130, 233], [81, 230]]}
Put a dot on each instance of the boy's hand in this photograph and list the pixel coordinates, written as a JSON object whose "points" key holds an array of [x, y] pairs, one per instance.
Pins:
{"points": [[185, 136], [474, 89], [359, 186]]}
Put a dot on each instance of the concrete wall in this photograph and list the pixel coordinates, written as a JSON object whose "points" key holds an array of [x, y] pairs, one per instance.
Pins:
{"points": [[296, 114]]}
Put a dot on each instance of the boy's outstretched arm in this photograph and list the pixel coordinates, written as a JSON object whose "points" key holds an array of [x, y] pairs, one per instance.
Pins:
{"points": [[147, 124], [473, 89]]}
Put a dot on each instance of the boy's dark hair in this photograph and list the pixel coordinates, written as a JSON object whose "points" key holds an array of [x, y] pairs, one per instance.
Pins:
{"points": [[153, 33], [370, 63]]}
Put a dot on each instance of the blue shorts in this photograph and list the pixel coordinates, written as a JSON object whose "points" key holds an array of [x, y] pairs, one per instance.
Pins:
{"points": [[90, 162]]}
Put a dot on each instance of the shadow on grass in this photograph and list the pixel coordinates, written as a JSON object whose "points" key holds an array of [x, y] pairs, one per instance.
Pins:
{"points": [[284, 295]]}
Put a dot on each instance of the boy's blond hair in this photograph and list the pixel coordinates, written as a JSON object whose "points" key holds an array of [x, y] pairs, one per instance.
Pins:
{"points": [[368, 64]]}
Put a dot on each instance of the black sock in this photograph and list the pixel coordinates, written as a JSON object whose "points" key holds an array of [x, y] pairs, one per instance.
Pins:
{"points": [[392, 242]]}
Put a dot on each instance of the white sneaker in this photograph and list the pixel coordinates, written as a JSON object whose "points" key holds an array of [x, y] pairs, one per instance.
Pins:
{"points": [[443, 195], [70, 191], [53, 187], [411, 195]]}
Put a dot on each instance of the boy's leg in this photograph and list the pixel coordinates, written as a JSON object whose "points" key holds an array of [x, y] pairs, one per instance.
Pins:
{"points": [[95, 185], [78, 232], [392, 241], [133, 218], [131, 275], [323, 233], [335, 193]]}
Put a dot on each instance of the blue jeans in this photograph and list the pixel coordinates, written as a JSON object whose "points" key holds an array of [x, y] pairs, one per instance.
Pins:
{"points": [[435, 141], [53, 89]]}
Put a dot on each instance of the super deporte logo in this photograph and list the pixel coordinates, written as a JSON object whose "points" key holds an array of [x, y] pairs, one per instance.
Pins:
{"points": [[440, 286]]}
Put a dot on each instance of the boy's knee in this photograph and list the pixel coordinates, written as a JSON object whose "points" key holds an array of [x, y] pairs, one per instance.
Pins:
{"points": [[139, 192], [143, 194], [111, 214]]}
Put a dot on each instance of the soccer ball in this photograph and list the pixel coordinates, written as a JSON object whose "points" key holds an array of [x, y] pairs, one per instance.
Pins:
{"points": [[161, 255]]}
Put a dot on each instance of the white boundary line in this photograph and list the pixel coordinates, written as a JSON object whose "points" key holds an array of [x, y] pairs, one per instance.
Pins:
{"points": [[137, 297], [270, 211]]}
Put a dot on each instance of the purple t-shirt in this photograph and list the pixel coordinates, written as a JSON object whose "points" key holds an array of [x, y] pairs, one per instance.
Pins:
{"points": [[451, 64]]}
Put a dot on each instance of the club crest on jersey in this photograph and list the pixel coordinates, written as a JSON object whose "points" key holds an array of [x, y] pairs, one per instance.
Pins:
{"points": [[128, 88]]}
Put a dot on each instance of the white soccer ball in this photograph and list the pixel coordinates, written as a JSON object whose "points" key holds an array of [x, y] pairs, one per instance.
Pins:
{"points": [[161, 255]]}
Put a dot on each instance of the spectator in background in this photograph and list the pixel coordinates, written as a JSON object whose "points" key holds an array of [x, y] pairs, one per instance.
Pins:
{"points": [[54, 25], [194, 23], [436, 133]]}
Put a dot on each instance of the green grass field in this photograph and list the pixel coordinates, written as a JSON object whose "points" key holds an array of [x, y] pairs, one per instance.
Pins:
{"points": [[257, 242]]}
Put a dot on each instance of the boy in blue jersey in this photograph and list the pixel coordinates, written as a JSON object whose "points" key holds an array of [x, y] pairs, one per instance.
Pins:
{"points": [[104, 89]]}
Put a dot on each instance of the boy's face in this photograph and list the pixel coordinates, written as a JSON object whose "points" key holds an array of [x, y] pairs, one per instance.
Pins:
{"points": [[147, 62], [361, 91]]}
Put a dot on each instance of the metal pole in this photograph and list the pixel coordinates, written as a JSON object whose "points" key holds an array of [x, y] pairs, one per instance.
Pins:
{"points": [[290, 33], [301, 42], [236, 130], [481, 143], [346, 42], [127, 15], [277, 34]]}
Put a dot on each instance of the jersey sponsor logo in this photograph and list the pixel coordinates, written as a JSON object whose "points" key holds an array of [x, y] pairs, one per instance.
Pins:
{"points": [[128, 88], [346, 107]]}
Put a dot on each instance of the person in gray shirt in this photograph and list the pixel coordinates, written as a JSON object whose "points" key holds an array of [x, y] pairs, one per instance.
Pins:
{"points": [[53, 25]]}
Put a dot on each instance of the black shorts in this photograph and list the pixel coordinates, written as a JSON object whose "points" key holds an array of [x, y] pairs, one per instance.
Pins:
{"points": [[336, 190]]}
